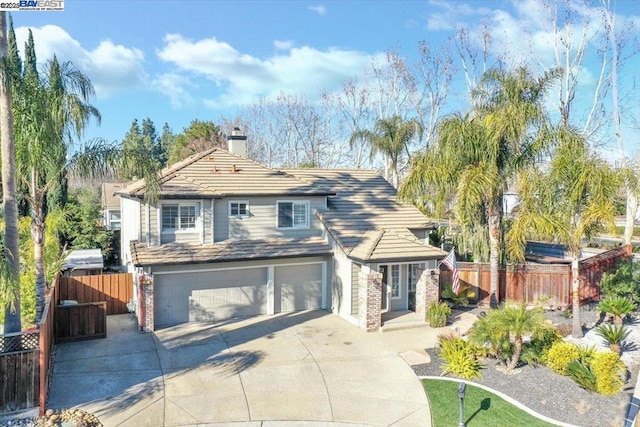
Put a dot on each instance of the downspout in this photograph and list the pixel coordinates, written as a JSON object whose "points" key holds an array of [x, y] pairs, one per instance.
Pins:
{"points": [[148, 224]]}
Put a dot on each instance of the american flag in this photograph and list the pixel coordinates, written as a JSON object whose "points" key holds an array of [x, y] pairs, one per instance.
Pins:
{"points": [[450, 261]]}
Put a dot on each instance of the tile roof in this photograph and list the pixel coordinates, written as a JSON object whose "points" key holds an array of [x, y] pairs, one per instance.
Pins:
{"points": [[228, 250], [109, 199], [393, 245], [366, 219], [218, 173]]}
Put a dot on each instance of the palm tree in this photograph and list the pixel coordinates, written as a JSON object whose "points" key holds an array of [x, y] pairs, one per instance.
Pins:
{"points": [[568, 203], [478, 154], [391, 138], [504, 329], [11, 247], [49, 113]]}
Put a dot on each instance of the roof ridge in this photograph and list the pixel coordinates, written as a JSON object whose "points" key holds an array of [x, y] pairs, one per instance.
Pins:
{"points": [[410, 239], [172, 169], [374, 244], [193, 181]]}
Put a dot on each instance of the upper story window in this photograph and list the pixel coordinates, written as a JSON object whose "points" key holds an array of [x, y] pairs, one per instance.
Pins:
{"points": [[293, 214], [179, 217], [238, 208], [114, 220]]}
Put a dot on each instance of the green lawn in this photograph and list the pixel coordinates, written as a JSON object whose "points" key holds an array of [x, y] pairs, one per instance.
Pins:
{"points": [[481, 408]]}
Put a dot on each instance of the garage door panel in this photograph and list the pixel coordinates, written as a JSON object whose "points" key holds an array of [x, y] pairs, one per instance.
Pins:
{"points": [[298, 287], [208, 296]]}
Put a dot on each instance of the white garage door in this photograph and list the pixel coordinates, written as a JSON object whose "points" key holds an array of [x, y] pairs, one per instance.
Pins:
{"points": [[208, 296], [298, 287]]}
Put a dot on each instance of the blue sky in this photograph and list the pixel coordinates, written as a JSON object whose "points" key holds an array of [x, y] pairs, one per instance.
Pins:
{"points": [[174, 61]]}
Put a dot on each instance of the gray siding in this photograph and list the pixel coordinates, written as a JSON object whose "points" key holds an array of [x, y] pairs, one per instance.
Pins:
{"points": [[130, 227], [355, 287], [207, 221], [153, 219], [143, 222], [220, 220], [262, 220]]}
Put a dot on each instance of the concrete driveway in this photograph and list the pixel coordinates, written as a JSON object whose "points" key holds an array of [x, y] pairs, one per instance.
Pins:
{"points": [[265, 370]]}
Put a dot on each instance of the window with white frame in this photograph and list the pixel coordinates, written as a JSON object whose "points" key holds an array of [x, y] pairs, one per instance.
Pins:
{"points": [[414, 275], [395, 281], [178, 217], [114, 220], [293, 214], [238, 208]]}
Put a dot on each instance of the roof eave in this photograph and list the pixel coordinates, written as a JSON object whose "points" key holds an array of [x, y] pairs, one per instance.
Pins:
{"points": [[239, 259]]}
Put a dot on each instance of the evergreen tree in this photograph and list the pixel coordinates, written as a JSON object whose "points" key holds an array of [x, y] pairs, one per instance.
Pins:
{"points": [[199, 136]]}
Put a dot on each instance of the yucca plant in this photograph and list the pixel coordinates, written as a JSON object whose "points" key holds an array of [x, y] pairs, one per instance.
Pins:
{"points": [[618, 306], [614, 335], [582, 374]]}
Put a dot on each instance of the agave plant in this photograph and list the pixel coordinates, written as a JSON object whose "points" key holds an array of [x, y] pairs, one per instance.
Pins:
{"points": [[618, 306], [614, 335]]}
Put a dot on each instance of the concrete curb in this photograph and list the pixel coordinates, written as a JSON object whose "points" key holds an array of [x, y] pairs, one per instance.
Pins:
{"points": [[505, 397], [634, 404]]}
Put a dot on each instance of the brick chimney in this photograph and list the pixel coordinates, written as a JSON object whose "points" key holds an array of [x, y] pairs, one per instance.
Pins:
{"points": [[237, 142]]}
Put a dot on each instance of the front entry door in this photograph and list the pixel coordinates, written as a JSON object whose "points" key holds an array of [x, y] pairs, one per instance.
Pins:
{"points": [[384, 270]]}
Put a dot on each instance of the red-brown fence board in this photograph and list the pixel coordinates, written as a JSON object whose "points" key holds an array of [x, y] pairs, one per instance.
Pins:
{"points": [[81, 322], [115, 289], [532, 282]]}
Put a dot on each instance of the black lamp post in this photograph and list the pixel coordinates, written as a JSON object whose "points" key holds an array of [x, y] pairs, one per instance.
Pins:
{"points": [[461, 391]]}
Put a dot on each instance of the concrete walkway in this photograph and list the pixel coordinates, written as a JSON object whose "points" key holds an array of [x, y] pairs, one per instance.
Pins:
{"points": [[265, 370]]}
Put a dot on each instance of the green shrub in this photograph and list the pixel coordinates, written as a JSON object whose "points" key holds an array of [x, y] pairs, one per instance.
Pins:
{"points": [[536, 350], [462, 298], [609, 371], [437, 314], [586, 354], [623, 282], [460, 357], [560, 355], [618, 306], [582, 374], [490, 331], [614, 335]]}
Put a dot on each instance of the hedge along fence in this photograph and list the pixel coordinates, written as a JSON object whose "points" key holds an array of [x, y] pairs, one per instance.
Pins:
{"points": [[532, 282]]}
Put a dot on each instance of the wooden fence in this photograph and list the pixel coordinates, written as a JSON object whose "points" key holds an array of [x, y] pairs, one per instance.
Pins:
{"points": [[534, 282], [81, 321], [115, 289], [19, 371], [593, 268], [25, 359]]}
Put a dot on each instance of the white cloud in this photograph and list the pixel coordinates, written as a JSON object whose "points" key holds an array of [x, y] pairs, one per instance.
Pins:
{"points": [[243, 78], [109, 66], [283, 44], [175, 87], [320, 10], [447, 15]]}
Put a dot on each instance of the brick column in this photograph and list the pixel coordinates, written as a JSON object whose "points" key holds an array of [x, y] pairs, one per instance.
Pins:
{"points": [[145, 302], [427, 291], [370, 305]]}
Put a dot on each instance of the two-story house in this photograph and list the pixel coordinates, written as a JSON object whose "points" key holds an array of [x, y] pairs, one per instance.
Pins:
{"points": [[230, 237]]}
